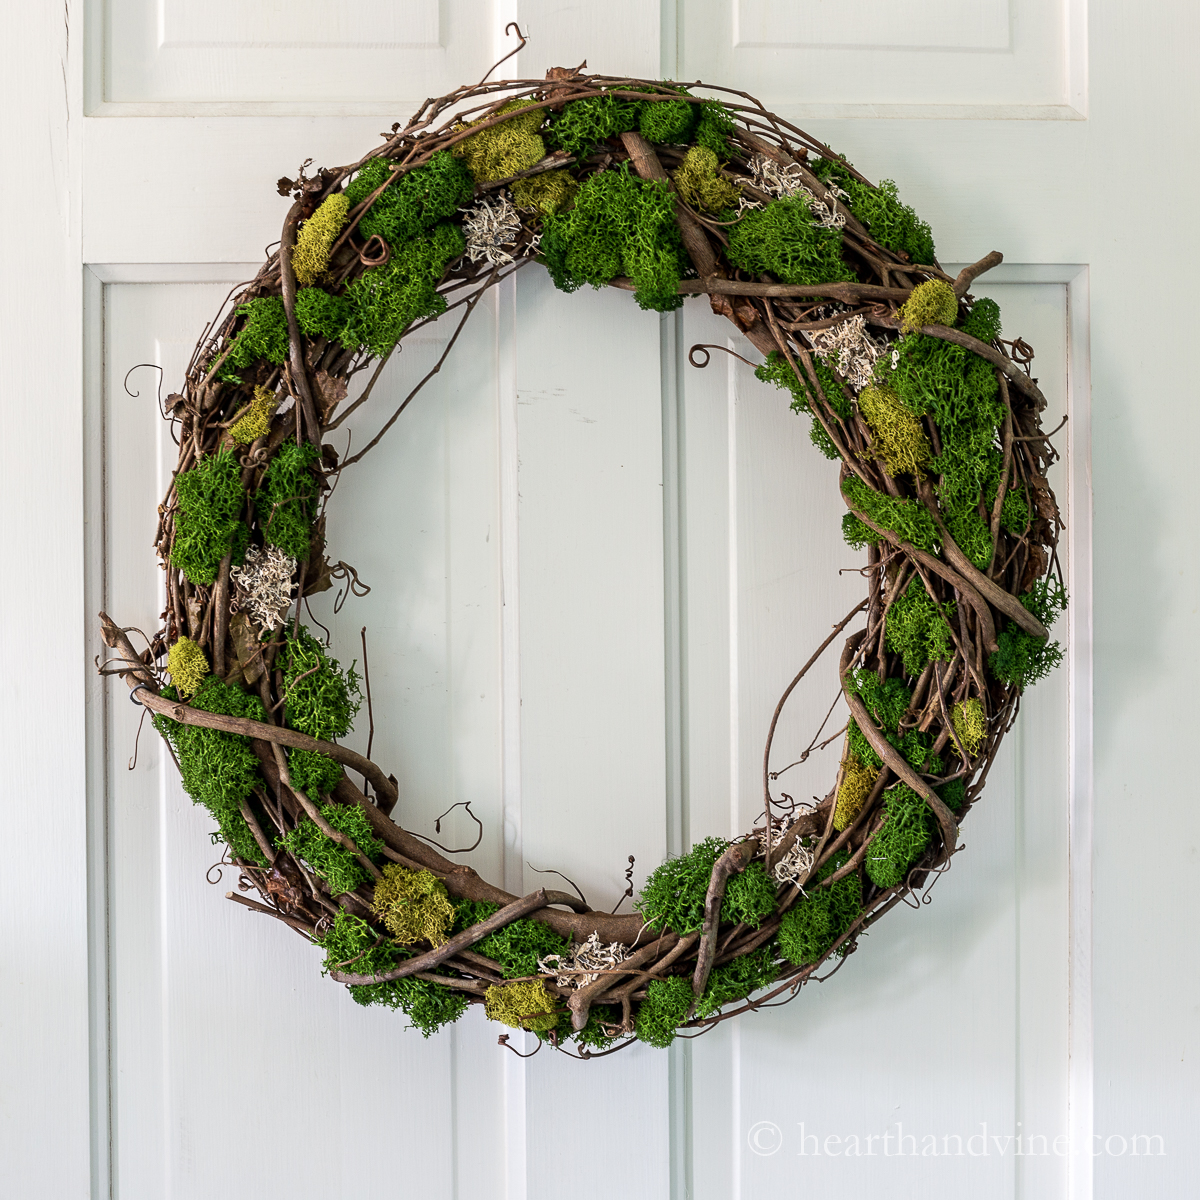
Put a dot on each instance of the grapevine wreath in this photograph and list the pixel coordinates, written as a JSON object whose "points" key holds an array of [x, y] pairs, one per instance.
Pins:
{"points": [[932, 418]]}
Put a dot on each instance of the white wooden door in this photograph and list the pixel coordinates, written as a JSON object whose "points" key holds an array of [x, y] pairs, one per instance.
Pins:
{"points": [[595, 568]]}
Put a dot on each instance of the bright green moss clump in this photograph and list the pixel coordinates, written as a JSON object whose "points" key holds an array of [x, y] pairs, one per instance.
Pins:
{"points": [[674, 894], [1023, 659], [749, 896], [918, 628], [663, 1010], [219, 769], [310, 256], [387, 299], [667, 121], [699, 182], [414, 905], [891, 223], [336, 864], [287, 501], [620, 225], [264, 335], [817, 920], [518, 946], [783, 240], [909, 520], [715, 126], [208, 522], [737, 979], [907, 829], [322, 701], [427, 1005], [585, 123], [321, 314], [415, 202]]}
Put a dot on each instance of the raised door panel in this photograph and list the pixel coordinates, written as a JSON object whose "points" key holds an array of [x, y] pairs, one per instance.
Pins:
{"points": [[945, 1019], [873, 58]]}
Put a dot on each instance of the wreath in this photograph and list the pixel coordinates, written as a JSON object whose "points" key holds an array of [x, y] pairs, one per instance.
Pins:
{"points": [[932, 417]]}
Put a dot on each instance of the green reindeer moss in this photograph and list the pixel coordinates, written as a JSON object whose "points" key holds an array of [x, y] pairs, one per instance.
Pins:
{"points": [[287, 501], [619, 225], [218, 769], [817, 920], [208, 522]]}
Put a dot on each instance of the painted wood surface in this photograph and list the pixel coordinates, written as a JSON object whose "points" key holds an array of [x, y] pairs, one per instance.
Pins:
{"points": [[594, 568]]}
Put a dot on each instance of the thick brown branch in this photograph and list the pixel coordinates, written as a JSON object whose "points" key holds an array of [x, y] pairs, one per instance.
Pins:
{"points": [[695, 240], [295, 340], [968, 275], [892, 757], [732, 862]]}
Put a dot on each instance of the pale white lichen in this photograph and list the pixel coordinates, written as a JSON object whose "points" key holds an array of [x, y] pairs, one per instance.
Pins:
{"points": [[263, 586], [849, 348], [492, 229], [778, 180], [796, 864], [581, 965]]}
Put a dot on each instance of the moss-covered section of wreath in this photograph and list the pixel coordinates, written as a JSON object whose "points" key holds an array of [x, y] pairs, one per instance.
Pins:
{"points": [[414, 905], [387, 299], [350, 945], [908, 828], [619, 225], [287, 501], [219, 769], [663, 1010], [415, 201], [263, 335], [959, 390], [322, 701], [208, 521], [673, 896], [336, 864], [909, 520], [887, 702], [735, 980], [1022, 659], [918, 628], [812, 925], [699, 182], [584, 124], [518, 946], [892, 223], [785, 241], [505, 149]]}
